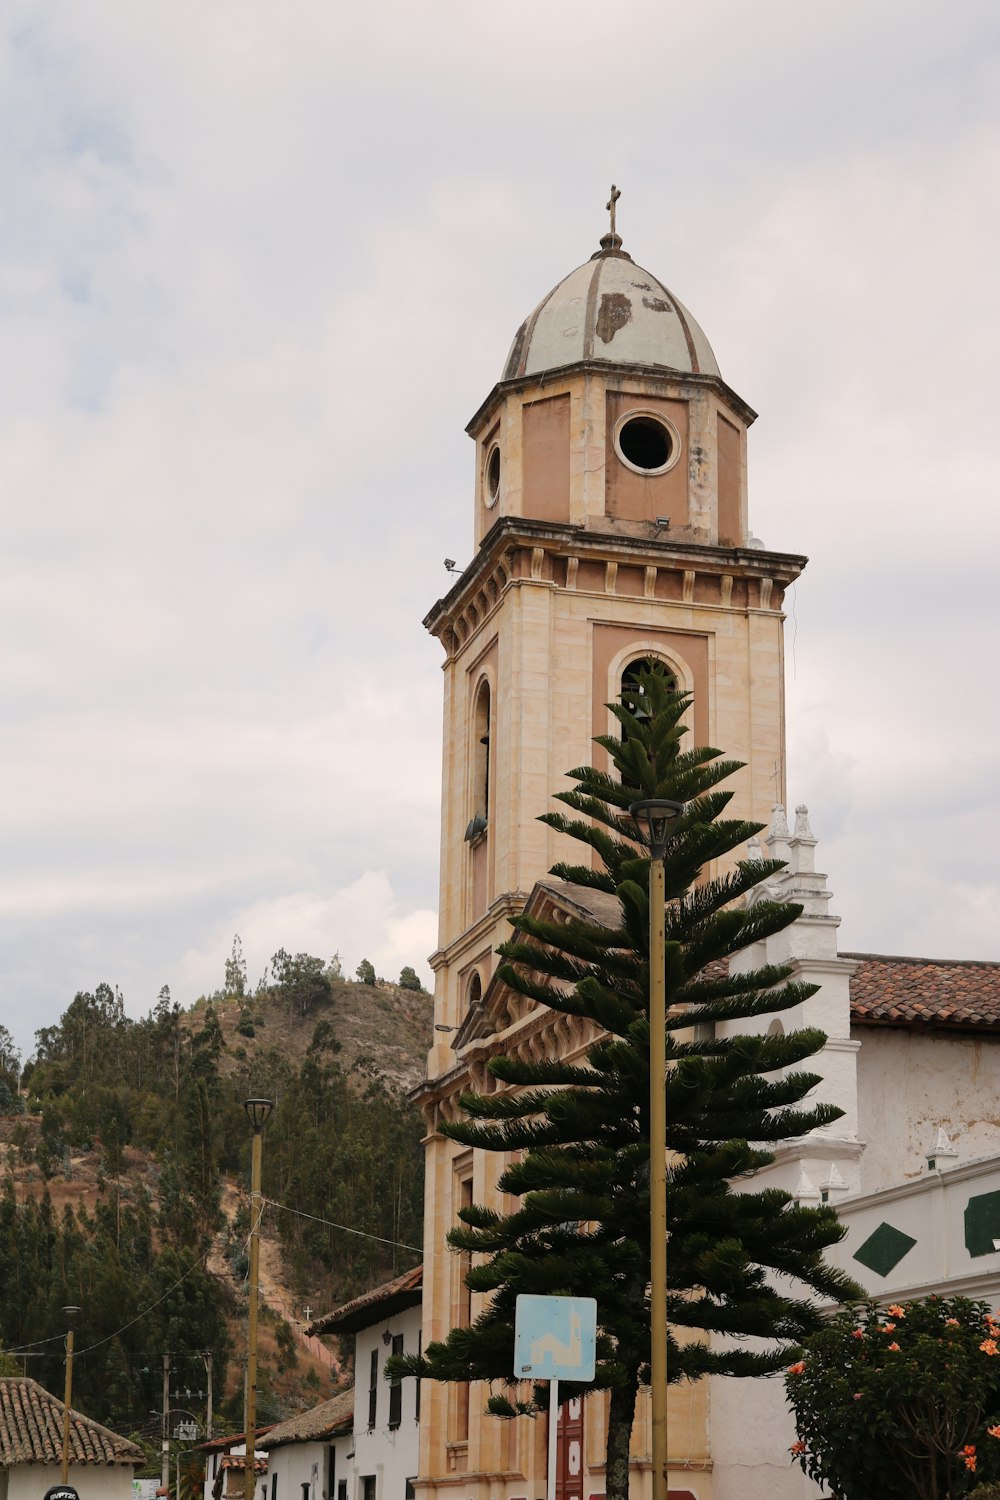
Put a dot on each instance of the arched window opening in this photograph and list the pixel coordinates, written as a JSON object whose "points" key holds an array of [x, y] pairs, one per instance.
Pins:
{"points": [[482, 755], [632, 691], [492, 475], [474, 993]]}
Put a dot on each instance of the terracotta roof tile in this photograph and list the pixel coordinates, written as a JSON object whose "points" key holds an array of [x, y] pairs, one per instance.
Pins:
{"points": [[952, 994], [320, 1422], [381, 1302], [217, 1444], [31, 1430]]}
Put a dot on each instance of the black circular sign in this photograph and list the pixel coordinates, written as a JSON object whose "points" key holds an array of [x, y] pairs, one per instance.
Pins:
{"points": [[61, 1492]]}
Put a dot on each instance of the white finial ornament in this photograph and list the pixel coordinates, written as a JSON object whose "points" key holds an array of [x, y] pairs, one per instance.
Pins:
{"points": [[779, 823], [942, 1151], [805, 1190], [802, 828]]}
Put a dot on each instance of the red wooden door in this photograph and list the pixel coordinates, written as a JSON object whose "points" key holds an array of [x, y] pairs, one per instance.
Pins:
{"points": [[569, 1451]]}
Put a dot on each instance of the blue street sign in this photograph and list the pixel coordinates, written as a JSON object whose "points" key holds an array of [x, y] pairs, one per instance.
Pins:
{"points": [[555, 1338]]}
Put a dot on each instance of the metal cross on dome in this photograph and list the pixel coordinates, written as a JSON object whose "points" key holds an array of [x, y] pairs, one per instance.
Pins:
{"points": [[610, 205]]}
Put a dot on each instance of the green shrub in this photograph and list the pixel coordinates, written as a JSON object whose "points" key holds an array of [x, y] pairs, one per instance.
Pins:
{"points": [[901, 1401]]}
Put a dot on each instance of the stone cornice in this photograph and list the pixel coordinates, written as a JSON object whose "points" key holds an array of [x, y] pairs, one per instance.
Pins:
{"points": [[507, 905], [456, 617], [681, 380], [983, 1166], [542, 1033], [826, 1148]]}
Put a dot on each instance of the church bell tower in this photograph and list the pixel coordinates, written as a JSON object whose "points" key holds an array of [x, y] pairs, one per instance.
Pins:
{"points": [[611, 527]]}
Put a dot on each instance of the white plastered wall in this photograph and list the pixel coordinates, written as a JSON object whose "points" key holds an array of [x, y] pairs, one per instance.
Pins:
{"points": [[392, 1455], [91, 1481]]}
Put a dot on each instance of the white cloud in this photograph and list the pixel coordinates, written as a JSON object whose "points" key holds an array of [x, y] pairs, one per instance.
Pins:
{"points": [[257, 270], [363, 920]]}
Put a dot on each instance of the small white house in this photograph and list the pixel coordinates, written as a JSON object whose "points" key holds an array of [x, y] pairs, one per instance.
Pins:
{"points": [[31, 1423], [225, 1466], [310, 1457], [382, 1322]]}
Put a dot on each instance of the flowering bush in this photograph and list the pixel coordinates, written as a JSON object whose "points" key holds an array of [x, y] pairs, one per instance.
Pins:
{"points": [[901, 1402]]}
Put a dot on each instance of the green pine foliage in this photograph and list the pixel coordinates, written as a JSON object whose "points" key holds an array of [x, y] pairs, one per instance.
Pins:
{"points": [[345, 1150], [111, 1266], [582, 1129], [902, 1402]]}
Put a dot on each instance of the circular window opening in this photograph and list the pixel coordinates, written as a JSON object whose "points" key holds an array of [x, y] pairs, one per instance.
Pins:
{"points": [[493, 476], [646, 443]]}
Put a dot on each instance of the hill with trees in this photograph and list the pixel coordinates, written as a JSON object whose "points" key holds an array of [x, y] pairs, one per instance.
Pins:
{"points": [[124, 1150]]}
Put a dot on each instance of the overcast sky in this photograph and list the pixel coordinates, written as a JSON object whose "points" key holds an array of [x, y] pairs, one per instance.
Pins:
{"points": [[259, 264]]}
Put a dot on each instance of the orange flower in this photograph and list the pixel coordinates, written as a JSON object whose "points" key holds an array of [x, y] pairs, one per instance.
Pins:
{"points": [[994, 1431], [969, 1448], [888, 1328], [858, 1333], [894, 1347], [798, 1447], [970, 1463], [797, 1368], [951, 1323], [896, 1311], [989, 1346]]}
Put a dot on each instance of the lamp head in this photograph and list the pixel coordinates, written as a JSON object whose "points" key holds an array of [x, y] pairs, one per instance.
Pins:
{"points": [[258, 1111], [654, 817], [71, 1314]]}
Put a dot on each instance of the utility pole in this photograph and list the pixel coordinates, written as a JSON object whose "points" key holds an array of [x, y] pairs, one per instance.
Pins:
{"points": [[165, 1440], [71, 1313], [257, 1111], [654, 816], [208, 1405]]}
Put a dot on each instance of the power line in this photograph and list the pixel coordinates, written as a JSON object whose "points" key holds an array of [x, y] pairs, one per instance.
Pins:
{"points": [[23, 1348], [195, 1266], [396, 1244]]}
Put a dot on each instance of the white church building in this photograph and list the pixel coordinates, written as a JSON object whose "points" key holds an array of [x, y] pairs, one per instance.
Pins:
{"points": [[913, 1167]]}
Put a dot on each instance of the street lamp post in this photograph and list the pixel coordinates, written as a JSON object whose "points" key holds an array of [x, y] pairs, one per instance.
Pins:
{"points": [[71, 1314], [654, 816], [258, 1111]]}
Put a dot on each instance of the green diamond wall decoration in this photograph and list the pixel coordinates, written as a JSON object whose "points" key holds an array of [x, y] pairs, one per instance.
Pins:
{"points": [[883, 1250], [982, 1224]]}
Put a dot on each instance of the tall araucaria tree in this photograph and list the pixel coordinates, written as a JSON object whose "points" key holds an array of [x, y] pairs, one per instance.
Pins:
{"points": [[582, 1127]]}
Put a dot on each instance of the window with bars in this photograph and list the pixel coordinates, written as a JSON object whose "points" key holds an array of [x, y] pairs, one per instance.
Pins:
{"points": [[396, 1387], [373, 1391]]}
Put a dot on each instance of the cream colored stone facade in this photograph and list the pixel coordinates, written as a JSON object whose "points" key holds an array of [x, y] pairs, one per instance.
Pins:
{"points": [[585, 563]]}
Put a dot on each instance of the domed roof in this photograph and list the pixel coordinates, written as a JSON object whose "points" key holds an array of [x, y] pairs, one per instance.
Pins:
{"points": [[610, 309]]}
